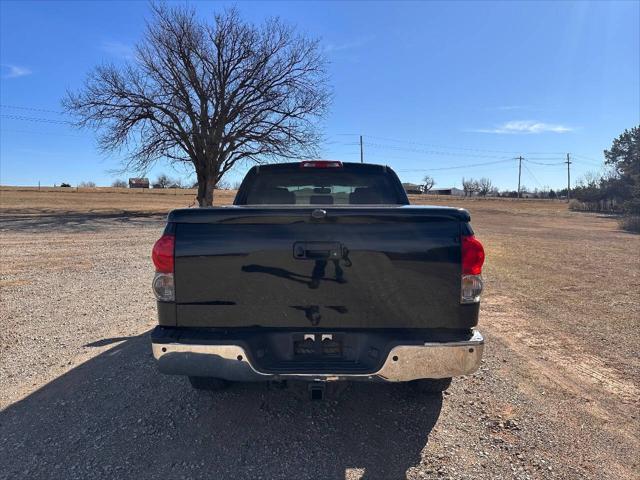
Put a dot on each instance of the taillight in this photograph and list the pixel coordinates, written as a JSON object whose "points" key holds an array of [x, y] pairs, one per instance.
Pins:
{"points": [[472, 260], [320, 164], [162, 254], [472, 255], [163, 287]]}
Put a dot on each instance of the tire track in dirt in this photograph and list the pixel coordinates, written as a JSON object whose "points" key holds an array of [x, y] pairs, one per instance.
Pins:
{"points": [[556, 365], [562, 356]]}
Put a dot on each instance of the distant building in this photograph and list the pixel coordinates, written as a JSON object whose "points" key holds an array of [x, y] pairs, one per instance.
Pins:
{"points": [[138, 183], [413, 188], [446, 191]]}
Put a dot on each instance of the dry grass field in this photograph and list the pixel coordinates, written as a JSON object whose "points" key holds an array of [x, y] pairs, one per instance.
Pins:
{"points": [[557, 396]]}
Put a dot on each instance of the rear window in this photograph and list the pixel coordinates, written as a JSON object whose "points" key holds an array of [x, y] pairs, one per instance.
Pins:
{"points": [[321, 186]]}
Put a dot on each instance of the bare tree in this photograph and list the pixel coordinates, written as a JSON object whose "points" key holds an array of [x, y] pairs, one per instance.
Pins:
{"points": [[119, 183], [470, 186], [590, 179], [484, 186], [163, 181], [87, 184], [208, 94], [429, 182]]}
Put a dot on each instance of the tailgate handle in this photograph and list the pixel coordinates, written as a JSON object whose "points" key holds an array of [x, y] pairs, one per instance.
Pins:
{"points": [[317, 250]]}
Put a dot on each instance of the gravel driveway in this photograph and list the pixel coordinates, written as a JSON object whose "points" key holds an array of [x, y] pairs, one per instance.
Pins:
{"points": [[81, 397]]}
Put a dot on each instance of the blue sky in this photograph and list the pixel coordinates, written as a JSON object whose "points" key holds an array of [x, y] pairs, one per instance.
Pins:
{"points": [[431, 86]]}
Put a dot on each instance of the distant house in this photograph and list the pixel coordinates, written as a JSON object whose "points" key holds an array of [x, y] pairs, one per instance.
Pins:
{"points": [[413, 188], [138, 183], [446, 191]]}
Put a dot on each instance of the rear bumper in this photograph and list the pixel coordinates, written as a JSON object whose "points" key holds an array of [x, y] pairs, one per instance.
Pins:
{"points": [[403, 362]]}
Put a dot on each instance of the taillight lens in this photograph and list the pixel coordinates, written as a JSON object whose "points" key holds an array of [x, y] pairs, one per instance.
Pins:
{"points": [[472, 260], [470, 288], [162, 254], [163, 287], [472, 255]]}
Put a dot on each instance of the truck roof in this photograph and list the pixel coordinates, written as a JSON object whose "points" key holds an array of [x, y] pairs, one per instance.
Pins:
{"points": [[370, 167]]}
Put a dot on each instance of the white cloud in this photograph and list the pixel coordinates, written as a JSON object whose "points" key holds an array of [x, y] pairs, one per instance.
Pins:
{"points": [[118, 49], [527, 126], [15, 71]]}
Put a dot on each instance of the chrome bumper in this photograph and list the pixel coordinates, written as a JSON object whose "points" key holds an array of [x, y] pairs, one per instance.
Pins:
{"points": [[404, 362]]}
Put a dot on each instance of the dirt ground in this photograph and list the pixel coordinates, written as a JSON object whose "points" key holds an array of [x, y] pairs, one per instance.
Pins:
{"points": [[557, 395]]}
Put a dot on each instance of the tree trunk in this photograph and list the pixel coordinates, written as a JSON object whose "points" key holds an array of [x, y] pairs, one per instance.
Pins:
{"points": [[210, 185], [201, 185], [206, 188]]}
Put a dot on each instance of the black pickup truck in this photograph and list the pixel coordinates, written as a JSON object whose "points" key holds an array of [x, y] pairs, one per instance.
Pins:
{"points": [[320, 270]]}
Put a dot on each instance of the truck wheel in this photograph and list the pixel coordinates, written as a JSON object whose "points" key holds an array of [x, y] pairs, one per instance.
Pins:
{"points": [[208, 383], [431, 385]]}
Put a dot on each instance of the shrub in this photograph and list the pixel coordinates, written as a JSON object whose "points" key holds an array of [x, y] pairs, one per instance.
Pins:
{"points": [[602, 206], [630, 223], [576, 205], [65, 185]]}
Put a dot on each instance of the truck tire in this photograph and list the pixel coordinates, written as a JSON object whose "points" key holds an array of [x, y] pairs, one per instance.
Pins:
{"points": [[211, 384], [431, 385]]}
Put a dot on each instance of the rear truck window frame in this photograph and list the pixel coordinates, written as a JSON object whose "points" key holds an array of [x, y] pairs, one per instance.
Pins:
{"points": [[393, 182]]}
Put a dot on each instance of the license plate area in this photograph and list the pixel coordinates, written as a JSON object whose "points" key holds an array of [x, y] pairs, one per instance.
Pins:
{"points": [[320, 345], [318, 352]]}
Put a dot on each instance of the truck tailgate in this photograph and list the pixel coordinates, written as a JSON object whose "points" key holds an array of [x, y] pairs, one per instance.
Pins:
{"points": [[382, 267]]}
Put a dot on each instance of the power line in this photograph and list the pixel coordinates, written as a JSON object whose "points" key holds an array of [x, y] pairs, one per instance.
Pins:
{"points": [[33, 132], [545, 164], [473, 149], [540, 161], [587, 158], [381, 146], [544, 159], [533, 176], [582, 162], [383, 157], [33, 109], [458, 166], [411, 142], [35, 119]]}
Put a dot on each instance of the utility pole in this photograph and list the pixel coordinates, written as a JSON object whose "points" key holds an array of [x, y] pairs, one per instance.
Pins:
{"points": [[519, 173], [568, 177], [361, 151]]}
